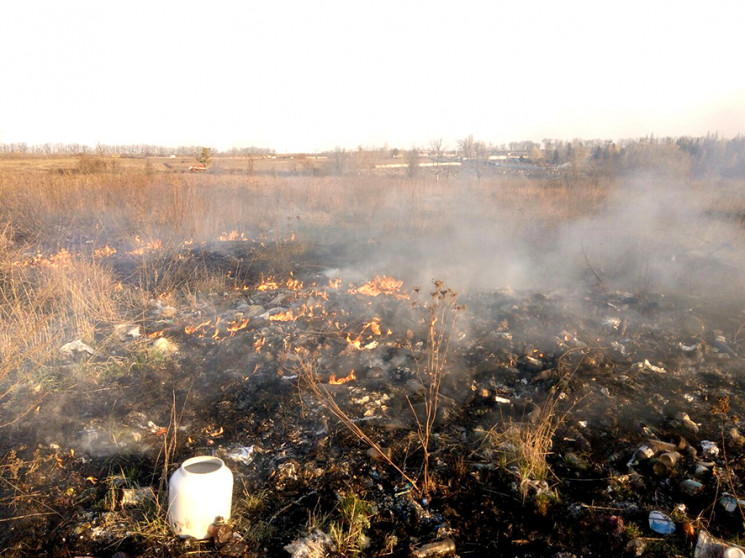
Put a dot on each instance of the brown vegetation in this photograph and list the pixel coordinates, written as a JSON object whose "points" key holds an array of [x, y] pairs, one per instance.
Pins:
{"points": [[91, 242]]}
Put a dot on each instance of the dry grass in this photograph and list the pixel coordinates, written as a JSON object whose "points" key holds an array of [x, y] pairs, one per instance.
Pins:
{"points": [[42, 306], [82, 205]]}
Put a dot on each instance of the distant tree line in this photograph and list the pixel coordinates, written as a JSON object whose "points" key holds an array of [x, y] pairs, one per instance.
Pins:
{"points": [[710, 155], [133, 150], [696, 157]]}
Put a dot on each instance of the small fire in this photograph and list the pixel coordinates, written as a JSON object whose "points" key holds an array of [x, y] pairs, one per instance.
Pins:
{"points": [[63, 258], [348, 378], [104, 252], [193, 329], [289, 315], [268, 284], [237, 325], [356, 342], [334, 283], [373, 329], [60, 259], [214, 432], [259, 343], [293, 284], [145, 247], [232, 236], [156, 334], [92, 480], [382, 284]]}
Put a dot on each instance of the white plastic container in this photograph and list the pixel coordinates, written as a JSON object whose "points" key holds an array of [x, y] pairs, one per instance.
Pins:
{"points": [[200, 493]]}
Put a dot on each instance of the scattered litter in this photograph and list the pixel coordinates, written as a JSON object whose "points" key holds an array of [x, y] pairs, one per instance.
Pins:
{"points": [[691, 487], [707, 546], [243, 455], [646, 365], [729, 502], [164, 311], [126, 332], [75, 348], [636, 547], [720, 343], [315, 545], [611, 323], [164, 346], [136, 497], [660, 523], [709, 448], [688, 423], [439, 549], [642, 453]]}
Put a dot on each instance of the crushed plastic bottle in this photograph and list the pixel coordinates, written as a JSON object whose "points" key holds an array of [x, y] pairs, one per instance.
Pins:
{"points": [[660, 523]]}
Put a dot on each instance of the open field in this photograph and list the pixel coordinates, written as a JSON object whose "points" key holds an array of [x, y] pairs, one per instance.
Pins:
{"points": [[295, 318]]}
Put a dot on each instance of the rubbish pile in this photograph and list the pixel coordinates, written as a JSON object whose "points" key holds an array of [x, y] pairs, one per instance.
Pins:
{"points": [[380, 419]]}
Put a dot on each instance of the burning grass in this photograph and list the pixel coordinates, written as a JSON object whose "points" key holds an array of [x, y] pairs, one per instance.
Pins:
{"points": [[233, 285]]}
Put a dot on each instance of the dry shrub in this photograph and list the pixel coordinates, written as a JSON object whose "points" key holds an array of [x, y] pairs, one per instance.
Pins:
{"points": [[521, 448]]}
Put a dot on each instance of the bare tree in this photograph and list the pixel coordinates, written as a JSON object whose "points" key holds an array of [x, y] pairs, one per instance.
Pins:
{"points": [[436, 150], [465, 146], [340, 157], [412, 158]]}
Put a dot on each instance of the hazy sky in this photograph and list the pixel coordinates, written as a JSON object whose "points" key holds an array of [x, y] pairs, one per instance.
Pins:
{"points": [[306, 76]]}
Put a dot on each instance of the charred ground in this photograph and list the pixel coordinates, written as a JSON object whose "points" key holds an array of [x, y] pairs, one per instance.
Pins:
{"points": [[221, 342]]}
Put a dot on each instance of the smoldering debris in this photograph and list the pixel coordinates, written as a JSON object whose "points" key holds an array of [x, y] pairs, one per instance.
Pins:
{"points": [[238, 389], [590, 365]]}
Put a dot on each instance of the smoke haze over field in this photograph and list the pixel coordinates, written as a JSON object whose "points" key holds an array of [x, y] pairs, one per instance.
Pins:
{"points": [[650, 234]]}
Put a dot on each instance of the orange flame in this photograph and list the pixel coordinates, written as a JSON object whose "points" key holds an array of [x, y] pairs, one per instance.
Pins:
{"points": [[268, 284], [382, 284], [348, 378], [145, 247], [156, 334], [289, 315], [104, 252], [237, 325], [334, 283], [293, 284], [373, 329], [193, 329], [259, 343], [214, 432], [233, 236]]}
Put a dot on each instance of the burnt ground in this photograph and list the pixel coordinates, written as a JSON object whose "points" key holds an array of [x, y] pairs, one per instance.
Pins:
{"points": [[614, 379]]}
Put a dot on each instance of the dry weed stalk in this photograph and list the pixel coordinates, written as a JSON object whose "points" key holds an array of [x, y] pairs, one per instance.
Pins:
{"points": [[442, 310], [309, 376]]}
